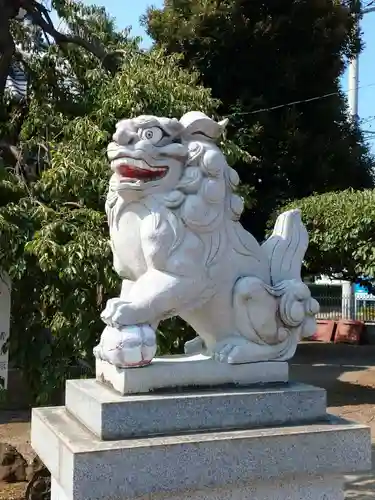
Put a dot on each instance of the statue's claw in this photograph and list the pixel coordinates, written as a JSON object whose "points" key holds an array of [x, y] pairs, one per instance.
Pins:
{"points": [[238, 350], [231, 354], [114, 314], [233, 351]]}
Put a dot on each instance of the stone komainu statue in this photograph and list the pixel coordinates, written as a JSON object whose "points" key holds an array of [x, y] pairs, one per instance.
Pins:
{"points": [[180, 249]]}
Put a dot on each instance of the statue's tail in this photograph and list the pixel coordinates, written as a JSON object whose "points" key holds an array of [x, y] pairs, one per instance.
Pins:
{"points": [[286, 247], [274, 317]]}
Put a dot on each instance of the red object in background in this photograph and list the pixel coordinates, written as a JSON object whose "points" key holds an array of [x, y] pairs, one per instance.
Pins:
{"points": [[325, 329], [349, 331]]}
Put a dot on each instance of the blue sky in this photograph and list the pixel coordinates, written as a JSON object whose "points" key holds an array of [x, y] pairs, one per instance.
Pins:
{"points": [[367, 75], [128, 12]]}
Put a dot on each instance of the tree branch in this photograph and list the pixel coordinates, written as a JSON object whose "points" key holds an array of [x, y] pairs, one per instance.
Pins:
{"points": [[40, 16]]}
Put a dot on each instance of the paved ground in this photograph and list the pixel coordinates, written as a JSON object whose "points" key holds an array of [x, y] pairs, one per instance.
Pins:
{"points": [[361, 487], [348, 375]]}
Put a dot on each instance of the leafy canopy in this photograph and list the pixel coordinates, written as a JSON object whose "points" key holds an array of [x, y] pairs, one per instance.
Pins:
{"points": [[258, 55], [341, 228], [53, 231]]}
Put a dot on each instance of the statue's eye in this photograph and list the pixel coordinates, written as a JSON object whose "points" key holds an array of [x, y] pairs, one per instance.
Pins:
{"points": [[152, 134]]}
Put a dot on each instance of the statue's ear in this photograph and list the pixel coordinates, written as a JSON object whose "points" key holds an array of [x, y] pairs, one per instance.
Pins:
{"points": [[197, 123]]}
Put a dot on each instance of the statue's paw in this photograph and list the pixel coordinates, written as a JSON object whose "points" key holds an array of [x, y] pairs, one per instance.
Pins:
{"points": [[115, 313], [233, 352], [128, 347], [238, 350], [195, 346]]}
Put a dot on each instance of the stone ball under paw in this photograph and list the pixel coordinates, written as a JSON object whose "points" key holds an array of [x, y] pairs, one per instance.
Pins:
{"points": [[128, 347]]}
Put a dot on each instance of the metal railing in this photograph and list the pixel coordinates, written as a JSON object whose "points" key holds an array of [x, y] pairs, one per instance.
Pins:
{"points": [[336, 307]]}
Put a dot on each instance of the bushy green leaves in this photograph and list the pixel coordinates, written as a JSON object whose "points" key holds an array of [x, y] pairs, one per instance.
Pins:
{"points": [[341, 227], [53, 232], [258, 55]]}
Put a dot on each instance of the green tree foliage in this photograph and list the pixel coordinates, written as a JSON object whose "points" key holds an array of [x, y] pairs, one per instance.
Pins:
{"points": [[53, 231], [258, 55], [78, 17], [341, 228], [55, 64]]}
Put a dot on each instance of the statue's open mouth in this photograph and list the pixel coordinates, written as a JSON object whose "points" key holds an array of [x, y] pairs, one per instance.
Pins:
{"points": [[130, 169]]}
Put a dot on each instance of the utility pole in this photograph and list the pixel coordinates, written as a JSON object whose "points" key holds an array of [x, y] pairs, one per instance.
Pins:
{"points": [[354, 77], [348, 297], [353, 88]]}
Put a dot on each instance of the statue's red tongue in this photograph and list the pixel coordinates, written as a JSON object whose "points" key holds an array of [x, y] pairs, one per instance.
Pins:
{"points": [[132, 172]]}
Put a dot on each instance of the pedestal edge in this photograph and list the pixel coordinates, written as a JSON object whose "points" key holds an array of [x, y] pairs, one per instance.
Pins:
{"points": [[188, 372], [111, 416]]}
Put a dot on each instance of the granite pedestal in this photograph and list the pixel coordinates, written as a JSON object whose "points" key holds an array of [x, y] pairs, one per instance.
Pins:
{"points": [[270, 441]]}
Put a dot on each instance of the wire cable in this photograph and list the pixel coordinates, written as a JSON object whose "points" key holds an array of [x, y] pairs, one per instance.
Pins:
{"points": [[301, 101]]}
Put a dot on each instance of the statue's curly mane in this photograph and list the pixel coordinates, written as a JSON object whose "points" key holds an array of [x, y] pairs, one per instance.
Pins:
{"points": [[205, 194]]}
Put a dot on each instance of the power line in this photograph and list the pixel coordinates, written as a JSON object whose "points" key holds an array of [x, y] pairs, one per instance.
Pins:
{"points": [[368, 119], [368, 4], [301, 101]]}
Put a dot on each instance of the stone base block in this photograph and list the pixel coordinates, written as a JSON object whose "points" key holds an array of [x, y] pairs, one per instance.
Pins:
{"points": [[57, 493], [291, 488], [292, 460], [111, 416], [187, 372]]}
